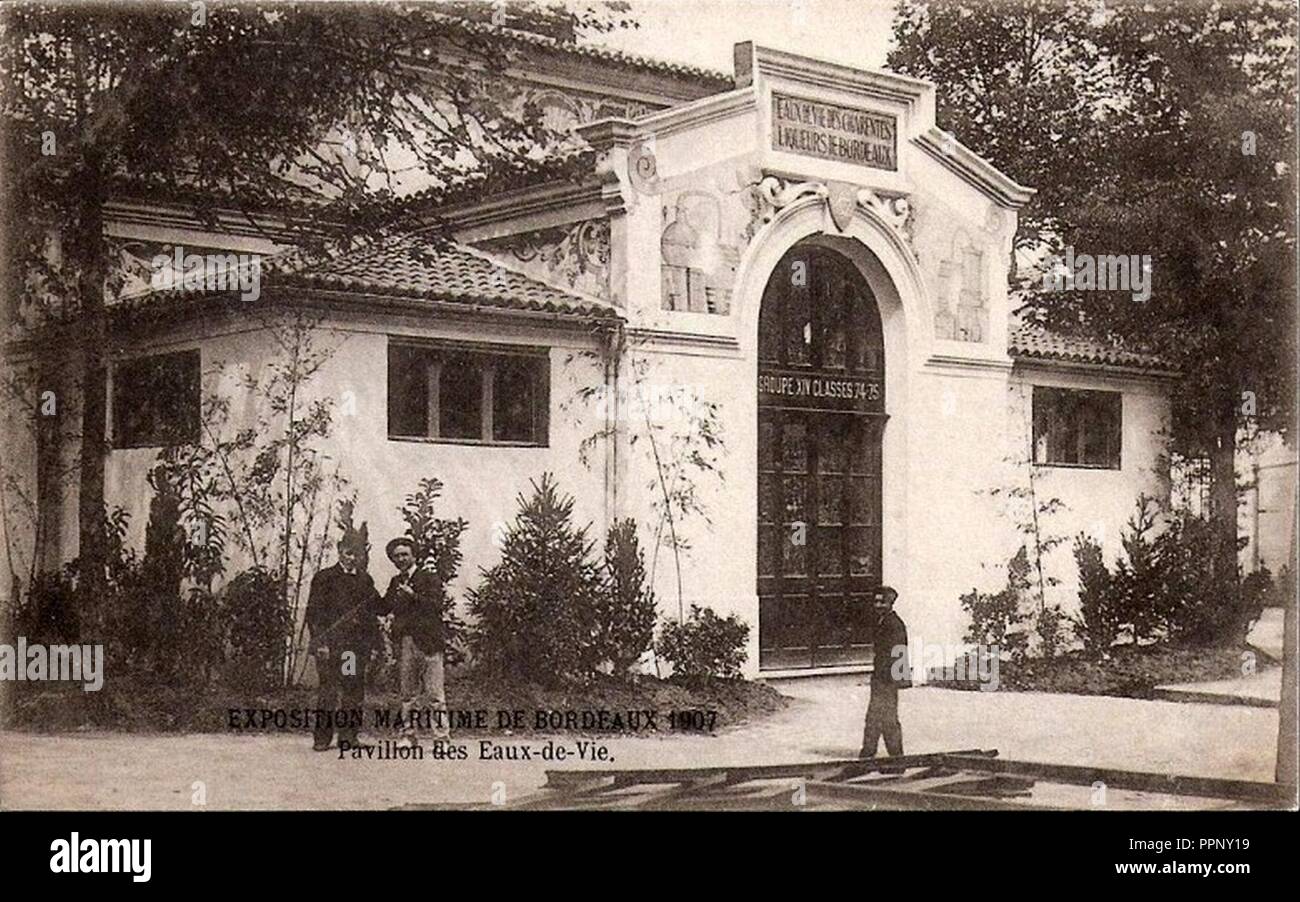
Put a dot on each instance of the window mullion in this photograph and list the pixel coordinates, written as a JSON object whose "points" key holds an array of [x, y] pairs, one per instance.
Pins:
{"points": [[487, 380], [434, 376]]}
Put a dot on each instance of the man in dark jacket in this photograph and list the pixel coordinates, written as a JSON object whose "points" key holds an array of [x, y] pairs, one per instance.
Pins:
{"points": [[414, 598], [341, 612], [890, 672]]}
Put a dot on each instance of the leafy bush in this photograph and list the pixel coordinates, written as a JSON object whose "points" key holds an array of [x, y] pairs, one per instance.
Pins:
{"points": [[259, 623], [437, 548], [625, 606], [48, 613], [535, 610], [1203, 603], [1100, 616], [1167, 585], [201, 637], [997, 619], [706, 645]]}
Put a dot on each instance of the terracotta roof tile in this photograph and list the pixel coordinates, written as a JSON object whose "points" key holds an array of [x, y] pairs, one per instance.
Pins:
{"points": [[1036, 343], [412, 269], [711, 77], [409, 269]]}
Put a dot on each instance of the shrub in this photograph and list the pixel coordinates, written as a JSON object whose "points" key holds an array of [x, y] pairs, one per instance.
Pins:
{"points": [[535, 610], [706, 645], [1098, 624], [48, 613], [997, 619], [1139, 581], [437, 548], [201, 637], [1167, 584], [1202, 603], [1049, 628], [259, 623], [625, 606]]}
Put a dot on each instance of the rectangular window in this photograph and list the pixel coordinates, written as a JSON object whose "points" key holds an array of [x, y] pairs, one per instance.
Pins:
{"points": [[456, 393], [1077, 428], [156, 400]]}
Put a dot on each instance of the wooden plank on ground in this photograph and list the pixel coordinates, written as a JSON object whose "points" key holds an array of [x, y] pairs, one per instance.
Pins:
{"points": [[1084, 775]]}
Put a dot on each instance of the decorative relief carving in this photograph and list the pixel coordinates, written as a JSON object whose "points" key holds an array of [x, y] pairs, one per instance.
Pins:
{"points": [[961, 304], [575, 255], [562, 110], [896, 210], [698, 266], [771, 194], [774, 194]]}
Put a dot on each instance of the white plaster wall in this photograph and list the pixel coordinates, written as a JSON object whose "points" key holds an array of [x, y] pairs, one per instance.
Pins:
{"points": [[1097, 502], [480, 482]]}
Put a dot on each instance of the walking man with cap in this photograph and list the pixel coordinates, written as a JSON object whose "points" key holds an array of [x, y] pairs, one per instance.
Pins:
{"points": [[890, 673], [414, 598]]}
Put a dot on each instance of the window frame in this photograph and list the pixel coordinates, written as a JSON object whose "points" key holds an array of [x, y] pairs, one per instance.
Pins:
{"points": [[120, 441], [1103, 398], [485, 351]]}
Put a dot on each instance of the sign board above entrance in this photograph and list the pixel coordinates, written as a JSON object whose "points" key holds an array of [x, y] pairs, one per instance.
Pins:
{"points": [[820, 390], [828, 131]]}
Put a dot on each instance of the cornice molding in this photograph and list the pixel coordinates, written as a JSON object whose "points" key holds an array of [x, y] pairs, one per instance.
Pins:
{"points": [[700, 112], [522, 202], [155, 214], [751, 61], [973, 169]]}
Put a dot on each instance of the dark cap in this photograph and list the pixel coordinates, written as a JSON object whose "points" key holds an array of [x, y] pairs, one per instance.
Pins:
{"points": [[885, 593]]}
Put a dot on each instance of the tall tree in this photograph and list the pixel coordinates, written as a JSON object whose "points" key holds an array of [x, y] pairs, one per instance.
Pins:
{"points": [[1153, 127], [328, 110], [1018, 84]]}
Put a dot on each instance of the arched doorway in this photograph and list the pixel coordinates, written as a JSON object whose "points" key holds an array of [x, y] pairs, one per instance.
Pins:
{"points": [[821, 403]]}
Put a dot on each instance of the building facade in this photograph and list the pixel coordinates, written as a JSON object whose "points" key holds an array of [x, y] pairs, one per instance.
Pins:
{"points": [[780, 295]]}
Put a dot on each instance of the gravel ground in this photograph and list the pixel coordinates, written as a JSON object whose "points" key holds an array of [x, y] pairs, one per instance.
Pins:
{"points": [[116, 771]]}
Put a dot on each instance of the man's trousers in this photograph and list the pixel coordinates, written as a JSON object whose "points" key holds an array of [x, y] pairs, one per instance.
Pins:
{"points": [[882, 720], [340, 690], [422, 680]]}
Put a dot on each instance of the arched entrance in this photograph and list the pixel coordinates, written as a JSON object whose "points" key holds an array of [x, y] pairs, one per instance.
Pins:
{"points": [[821, 403]]}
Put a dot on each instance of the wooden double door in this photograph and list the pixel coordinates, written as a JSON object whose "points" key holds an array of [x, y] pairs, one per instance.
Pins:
{"points": [[820, 424]]}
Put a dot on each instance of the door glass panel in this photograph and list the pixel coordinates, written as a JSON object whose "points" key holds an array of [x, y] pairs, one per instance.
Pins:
{"points": [[859, 499], [829, 559], [769, 500], [830, 493], [793, 492], [798, 326], [794, 448], [794, 550], [830, 449], [833, 350], [864, 451], [768, 541], [766, 445], [859, 550]]}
